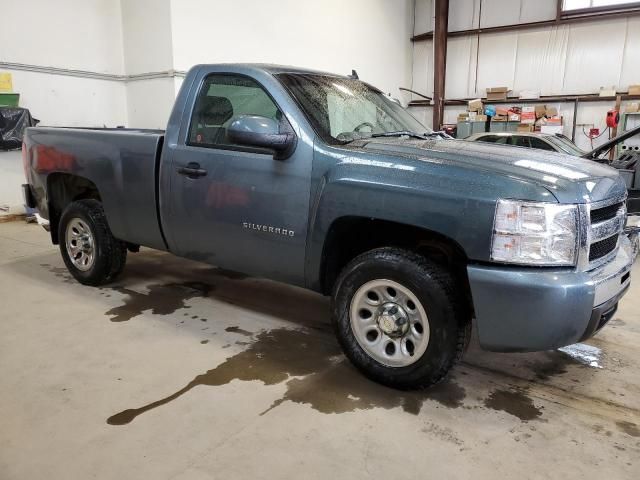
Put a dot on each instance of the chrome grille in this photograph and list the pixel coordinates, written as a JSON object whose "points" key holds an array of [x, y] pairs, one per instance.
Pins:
{"points": [[606, 224], [605, 213], [603, 247]]}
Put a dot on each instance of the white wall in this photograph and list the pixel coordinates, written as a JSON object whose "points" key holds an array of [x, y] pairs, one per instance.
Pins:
{"points": [[66, 34], [148, 47], [58, 100], [118, 39], [149, 102], [371, 36], [569, 59]]}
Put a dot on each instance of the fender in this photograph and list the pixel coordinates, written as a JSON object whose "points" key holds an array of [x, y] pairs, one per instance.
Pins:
{"points": [[430, 196]]}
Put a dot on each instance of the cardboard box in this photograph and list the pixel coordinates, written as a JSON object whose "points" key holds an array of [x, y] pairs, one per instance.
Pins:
{"points": [[475, 105], [551, 112], [540, 110], [634, 89], [497, 93], [523, 127], [632, 107], [607, 91], [528, 115], [463, 117], [481, 118], [514, 117], [551, 129], [529, 95], [499, 118]]}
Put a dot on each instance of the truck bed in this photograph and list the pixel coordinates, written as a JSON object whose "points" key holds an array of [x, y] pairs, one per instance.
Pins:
{"points": [[122, 163]]}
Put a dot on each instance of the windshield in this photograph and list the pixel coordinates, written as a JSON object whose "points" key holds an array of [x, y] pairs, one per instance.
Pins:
{"points": [[566, 145], [342, 109]]}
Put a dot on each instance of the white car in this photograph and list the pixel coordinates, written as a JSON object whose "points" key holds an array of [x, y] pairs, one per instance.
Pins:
{"points": [[541, 141]]}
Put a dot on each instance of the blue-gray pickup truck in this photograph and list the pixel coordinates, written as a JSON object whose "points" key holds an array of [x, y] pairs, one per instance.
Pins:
{"points": [[324, 182]]}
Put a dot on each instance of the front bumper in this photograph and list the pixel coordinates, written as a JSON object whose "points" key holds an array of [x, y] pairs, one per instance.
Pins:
{"points": [[529, 309]]}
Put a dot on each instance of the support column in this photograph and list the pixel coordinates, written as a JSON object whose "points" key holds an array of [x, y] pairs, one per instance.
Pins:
{"points": [[441, 28]]}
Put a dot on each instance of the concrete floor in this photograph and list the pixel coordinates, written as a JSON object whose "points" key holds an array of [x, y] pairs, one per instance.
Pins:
{"points": [[182, 371]]}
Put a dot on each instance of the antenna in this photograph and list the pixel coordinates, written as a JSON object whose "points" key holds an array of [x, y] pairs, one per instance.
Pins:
{"points": [[354, 75]]}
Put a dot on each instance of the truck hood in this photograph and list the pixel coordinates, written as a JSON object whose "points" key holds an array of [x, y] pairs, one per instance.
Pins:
{"points": [[570, 179]]}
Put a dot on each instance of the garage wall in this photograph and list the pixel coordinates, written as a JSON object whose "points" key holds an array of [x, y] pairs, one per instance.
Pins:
{"points": [[121, 62], [568, 59], [148, 59], [41, 35], [371, 36]]}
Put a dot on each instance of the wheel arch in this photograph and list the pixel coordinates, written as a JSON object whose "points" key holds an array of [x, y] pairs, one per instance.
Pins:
{"points": [[63, 189], [350, 236]]}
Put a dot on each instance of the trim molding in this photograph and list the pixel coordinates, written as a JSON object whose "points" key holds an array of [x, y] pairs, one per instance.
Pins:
{"points": [[111, 77]]}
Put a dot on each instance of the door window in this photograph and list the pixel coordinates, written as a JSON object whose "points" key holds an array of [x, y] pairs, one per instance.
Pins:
{"points": [[222, 99], [520, 141], [540, 144], [499, 139]]}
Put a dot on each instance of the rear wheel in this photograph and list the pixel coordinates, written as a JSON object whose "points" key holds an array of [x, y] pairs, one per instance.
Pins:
{"points": [[399, 318], [89, 250]]}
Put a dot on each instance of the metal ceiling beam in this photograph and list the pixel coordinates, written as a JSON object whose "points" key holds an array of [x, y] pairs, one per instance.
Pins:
{"points": [[589, 17]]}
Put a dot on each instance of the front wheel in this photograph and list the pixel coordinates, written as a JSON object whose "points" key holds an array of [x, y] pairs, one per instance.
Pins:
{"points": [[399, 318], [89, 250]]}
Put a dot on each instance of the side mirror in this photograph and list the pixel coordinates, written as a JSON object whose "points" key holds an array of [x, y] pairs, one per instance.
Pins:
{"points": [[262, 132]]}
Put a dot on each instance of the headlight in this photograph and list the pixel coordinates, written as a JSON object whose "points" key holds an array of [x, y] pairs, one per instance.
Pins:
{"points": [[535, 233]]}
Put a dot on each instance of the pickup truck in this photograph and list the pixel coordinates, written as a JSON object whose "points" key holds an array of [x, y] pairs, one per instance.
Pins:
{"points": [[324, 182]]}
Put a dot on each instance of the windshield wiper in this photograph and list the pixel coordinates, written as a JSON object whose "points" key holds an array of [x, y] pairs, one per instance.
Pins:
{"points": [[407, 133], [399, 133]]}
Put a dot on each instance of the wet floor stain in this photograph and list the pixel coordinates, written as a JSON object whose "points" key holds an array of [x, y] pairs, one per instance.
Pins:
{"points": [[60, 272], [160, 299], [554, 363], [515, 402], [229, 274], [617, 322], [238, 330], [315, 374], [443, 433], [629, 428]]}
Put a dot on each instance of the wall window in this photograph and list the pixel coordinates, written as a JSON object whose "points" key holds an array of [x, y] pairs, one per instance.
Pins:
{"points": [[570, 6], [222, 99]]}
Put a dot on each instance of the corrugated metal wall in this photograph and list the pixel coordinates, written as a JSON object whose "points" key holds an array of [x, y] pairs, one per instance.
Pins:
{"points": [[569, 59]]}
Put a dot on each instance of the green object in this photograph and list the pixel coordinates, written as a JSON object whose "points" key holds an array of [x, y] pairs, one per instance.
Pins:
{"points": [[9, 99]]}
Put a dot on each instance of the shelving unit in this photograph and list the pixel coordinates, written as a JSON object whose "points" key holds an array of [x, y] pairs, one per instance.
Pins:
{"points": [[575, 99]]}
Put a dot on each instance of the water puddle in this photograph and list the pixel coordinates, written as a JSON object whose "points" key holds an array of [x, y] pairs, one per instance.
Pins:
{"points": [[239, 331], [315, 373], [514, 402], [629, 428], [160, 299]]}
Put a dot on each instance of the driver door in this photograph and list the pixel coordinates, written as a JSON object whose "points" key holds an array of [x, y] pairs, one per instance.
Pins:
{"points": [[235, 206]]}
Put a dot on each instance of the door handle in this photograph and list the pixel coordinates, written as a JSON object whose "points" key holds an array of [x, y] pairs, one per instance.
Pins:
{"points": [[192, 170]]}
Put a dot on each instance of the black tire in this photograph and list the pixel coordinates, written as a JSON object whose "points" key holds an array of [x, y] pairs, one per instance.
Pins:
{"points": [[110, 254], [448, 318]]}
